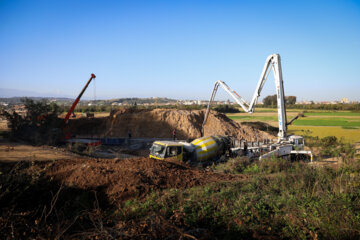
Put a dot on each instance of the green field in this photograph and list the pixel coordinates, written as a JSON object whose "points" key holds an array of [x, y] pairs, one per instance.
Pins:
{"points": [[338, 113], [348, 135], [326, 122], [249, 118], [342, 124]]}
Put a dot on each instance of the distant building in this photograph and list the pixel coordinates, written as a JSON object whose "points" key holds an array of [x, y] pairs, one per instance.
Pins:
{"points": [[344, 100], [189, 103], [116, 104], [303, 102]]}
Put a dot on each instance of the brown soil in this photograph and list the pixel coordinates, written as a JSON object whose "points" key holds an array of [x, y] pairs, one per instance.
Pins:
{"points": [[15, 152], [159, 123], [3, 124], [128, 178], [43, 198]]}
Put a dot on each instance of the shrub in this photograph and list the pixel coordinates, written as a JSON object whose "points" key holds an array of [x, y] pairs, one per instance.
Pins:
{"points": [[39, 125], [233, 166], [225, 108]]}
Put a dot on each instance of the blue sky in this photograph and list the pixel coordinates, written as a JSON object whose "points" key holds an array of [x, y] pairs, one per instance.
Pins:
{"points": [[178, 49]]}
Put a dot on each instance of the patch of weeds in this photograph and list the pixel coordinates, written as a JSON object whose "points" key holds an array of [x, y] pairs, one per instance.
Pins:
{"points": [[299, 202], [252, 169], [331, 146], [233, 165], [349, 127]]}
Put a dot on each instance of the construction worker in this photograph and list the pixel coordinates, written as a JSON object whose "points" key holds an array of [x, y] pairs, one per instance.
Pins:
{"points": [[174, 134], [245, 148], [129, 137]]}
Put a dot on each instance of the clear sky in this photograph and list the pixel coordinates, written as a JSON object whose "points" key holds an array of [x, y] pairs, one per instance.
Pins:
{"points": [[178, 49]]}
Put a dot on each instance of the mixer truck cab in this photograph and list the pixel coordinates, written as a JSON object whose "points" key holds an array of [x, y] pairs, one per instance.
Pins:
{"points": [[297, 141], [166, 149]]}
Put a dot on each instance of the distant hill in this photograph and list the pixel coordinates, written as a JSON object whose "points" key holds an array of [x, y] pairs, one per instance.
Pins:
{"points": [[17, 100], [59, 100], [142, 100], [10, 93]]}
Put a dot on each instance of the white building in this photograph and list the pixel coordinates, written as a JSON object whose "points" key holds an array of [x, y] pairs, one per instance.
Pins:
{"points": [[344, 100]]}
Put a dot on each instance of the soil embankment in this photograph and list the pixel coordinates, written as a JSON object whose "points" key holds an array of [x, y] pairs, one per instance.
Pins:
{"points": [[159, 123], [128, 178]]}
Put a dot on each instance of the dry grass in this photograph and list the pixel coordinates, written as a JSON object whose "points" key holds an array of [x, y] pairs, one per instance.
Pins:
{"points": [[349, 135]]}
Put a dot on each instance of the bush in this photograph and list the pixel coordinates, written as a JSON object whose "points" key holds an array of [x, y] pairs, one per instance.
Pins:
{"points": [[233, 166], [39, 125], [245, 165], [226, 109], [329, 141]]}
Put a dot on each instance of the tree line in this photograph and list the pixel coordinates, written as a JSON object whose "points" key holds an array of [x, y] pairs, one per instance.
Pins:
{"points": [[271, 100]]}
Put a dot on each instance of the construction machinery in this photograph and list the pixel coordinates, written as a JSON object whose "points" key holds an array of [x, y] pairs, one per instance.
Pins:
{"points": [[71, 111], [286, 146], [67, 134], [202, 149]]}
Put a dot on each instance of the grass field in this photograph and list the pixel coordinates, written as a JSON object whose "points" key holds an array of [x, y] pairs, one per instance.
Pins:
{"points": [[348, 135], [342, 124]]}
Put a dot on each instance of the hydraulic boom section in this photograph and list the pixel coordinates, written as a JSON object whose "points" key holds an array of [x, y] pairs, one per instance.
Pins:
{"points": [[272, 62]]}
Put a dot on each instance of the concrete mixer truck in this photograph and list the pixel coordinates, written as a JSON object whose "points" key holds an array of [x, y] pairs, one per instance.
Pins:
{"points": [[203, 149]]}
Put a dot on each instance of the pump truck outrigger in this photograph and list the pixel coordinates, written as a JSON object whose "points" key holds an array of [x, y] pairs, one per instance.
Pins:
{"points": [[286, 146]]}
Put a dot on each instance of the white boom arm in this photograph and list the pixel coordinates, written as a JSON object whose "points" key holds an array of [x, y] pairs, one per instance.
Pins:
{"points": [[273, 61]]}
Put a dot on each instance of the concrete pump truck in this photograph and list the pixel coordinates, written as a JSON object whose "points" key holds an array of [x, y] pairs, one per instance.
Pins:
{"points": [[286, 146], [210, 148]]}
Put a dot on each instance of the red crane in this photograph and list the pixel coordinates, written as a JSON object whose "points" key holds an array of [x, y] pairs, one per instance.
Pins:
{"points": [[66, 119]]}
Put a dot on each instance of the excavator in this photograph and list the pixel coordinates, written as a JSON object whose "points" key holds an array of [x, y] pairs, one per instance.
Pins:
{"points": [[286, 146]]}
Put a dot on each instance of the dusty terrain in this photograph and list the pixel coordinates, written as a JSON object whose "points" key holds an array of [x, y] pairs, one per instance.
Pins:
{"points": [[128, 178], [119, 179], [125, 178], [159, 123], [11, 151]]}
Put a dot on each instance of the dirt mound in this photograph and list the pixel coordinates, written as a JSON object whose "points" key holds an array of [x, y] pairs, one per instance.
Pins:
{"points": [[129, 178], [159, 123], [220, 124]]}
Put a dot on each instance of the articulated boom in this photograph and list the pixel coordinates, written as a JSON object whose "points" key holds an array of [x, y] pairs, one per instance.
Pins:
{"points": [[272, 62]]}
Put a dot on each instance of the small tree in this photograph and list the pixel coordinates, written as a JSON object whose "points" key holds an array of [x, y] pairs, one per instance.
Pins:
{"points": [[290, 100], [39, 125], [225, 108], [270, 100]]}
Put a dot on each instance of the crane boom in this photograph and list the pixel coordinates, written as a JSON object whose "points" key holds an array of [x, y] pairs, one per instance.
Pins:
{"points": [[66, 119], [272, 62]]}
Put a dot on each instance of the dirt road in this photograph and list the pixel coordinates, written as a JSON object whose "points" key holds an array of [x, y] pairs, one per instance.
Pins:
{"points": [[10, 151]]}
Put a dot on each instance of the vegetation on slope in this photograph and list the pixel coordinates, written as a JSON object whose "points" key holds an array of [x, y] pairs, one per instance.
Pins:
{"points": [[280, 199]]}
